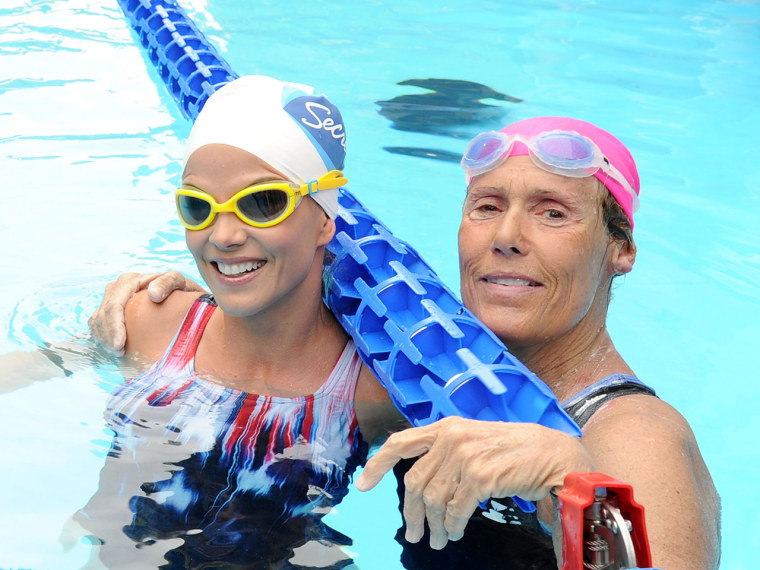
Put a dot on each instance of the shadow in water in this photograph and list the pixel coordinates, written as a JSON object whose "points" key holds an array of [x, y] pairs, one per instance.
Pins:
{"points": [[434, 153], [451, 108]]}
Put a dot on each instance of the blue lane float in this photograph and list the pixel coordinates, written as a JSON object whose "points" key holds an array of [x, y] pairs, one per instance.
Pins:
{"points": [[434, 357], [190, 67]]}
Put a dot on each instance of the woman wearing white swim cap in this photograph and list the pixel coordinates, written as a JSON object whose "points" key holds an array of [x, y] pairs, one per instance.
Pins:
{"points": [[256, 410]]}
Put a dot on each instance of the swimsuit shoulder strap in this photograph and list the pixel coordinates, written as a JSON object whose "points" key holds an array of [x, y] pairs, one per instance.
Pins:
{"points": [[588, 401], [185, 343], [342, 379]]}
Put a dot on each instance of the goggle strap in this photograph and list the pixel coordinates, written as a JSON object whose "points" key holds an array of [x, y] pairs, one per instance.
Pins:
{"points": [[331, 180], [616, 175]]}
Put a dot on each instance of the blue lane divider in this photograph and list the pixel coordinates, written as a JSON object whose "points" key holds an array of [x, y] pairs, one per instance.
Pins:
{"points": [[434, 356], [190, 67]]}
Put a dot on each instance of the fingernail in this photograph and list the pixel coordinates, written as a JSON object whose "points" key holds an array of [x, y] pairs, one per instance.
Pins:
{"points": [[154, 295]]}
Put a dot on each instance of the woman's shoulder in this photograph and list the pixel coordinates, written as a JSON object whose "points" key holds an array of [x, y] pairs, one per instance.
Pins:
{"points": [[639, 428], [638, 407], [151, 326]]}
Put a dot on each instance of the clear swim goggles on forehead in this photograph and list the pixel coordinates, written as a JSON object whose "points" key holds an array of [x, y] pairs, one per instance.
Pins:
{"points": [[260, 205], [562, 152]]}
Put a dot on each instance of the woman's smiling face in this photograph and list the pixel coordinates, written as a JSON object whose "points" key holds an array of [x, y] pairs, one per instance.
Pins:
{"points": [[248, 269], [535, 259]]}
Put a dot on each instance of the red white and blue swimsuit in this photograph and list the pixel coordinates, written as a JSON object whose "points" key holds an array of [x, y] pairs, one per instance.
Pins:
{"points": [[223, 476]]}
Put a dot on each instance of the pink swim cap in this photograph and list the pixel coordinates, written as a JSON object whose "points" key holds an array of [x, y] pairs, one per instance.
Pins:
{"points": [[615, 152]]}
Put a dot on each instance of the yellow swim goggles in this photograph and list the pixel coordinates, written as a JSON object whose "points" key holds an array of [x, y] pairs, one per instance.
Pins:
{"points": [[260, 205]]}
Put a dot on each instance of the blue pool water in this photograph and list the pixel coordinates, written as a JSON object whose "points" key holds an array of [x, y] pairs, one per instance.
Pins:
{"points": [[90, 146]]}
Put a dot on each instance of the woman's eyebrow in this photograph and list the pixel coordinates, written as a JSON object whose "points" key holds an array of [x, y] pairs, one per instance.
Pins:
{"points": [[265, 179], [480, 191]]}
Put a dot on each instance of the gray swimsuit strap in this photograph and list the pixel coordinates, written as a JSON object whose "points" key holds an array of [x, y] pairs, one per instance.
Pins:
{"points": [[586, 402]]}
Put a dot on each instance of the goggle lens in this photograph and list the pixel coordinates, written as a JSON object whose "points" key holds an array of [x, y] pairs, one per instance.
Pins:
{"points": [[484, 153], [264, 206], [485, 148], [194, 211], [565, 153]]}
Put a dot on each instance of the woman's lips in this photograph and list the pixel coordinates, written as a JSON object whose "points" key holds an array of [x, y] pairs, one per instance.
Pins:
{"points": [[237, 269], [512, 281]]}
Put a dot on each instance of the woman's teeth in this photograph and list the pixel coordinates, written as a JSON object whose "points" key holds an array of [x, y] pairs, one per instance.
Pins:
{"points": [[232, 269], [513, 281]]}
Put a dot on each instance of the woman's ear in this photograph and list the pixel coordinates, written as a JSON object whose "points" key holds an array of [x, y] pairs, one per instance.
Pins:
{"points": [[623, 257], [327, 231]]}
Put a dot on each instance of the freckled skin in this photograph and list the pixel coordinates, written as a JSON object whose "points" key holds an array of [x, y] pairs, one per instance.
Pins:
{"points": [[520, 220]]}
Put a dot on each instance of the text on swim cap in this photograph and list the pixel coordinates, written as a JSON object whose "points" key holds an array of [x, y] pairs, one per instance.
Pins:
{"points": [[322, 122], [327, 124]]}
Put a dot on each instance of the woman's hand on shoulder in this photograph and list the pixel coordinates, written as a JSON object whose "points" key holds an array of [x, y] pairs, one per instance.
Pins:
{"points": [[107, 322], [647, 444], [149, 326]]}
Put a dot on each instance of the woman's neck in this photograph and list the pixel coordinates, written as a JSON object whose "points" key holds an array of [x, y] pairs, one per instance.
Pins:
{"points": [[288, 351], [570, 363]]}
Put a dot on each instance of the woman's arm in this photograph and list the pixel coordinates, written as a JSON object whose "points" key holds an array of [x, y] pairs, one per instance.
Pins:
{"points": [[19, 369], [151, 328], [639, 440], [464, 462]]}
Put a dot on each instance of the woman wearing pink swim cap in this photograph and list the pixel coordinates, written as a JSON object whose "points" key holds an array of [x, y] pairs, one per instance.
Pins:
{"points": [[547, 224]]}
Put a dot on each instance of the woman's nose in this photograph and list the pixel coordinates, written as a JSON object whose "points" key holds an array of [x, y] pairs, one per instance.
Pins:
{"points": [[228, 231], [509, 236]]}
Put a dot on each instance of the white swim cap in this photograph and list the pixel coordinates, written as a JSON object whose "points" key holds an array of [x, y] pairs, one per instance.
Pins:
{"points": [[287, 125]]}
